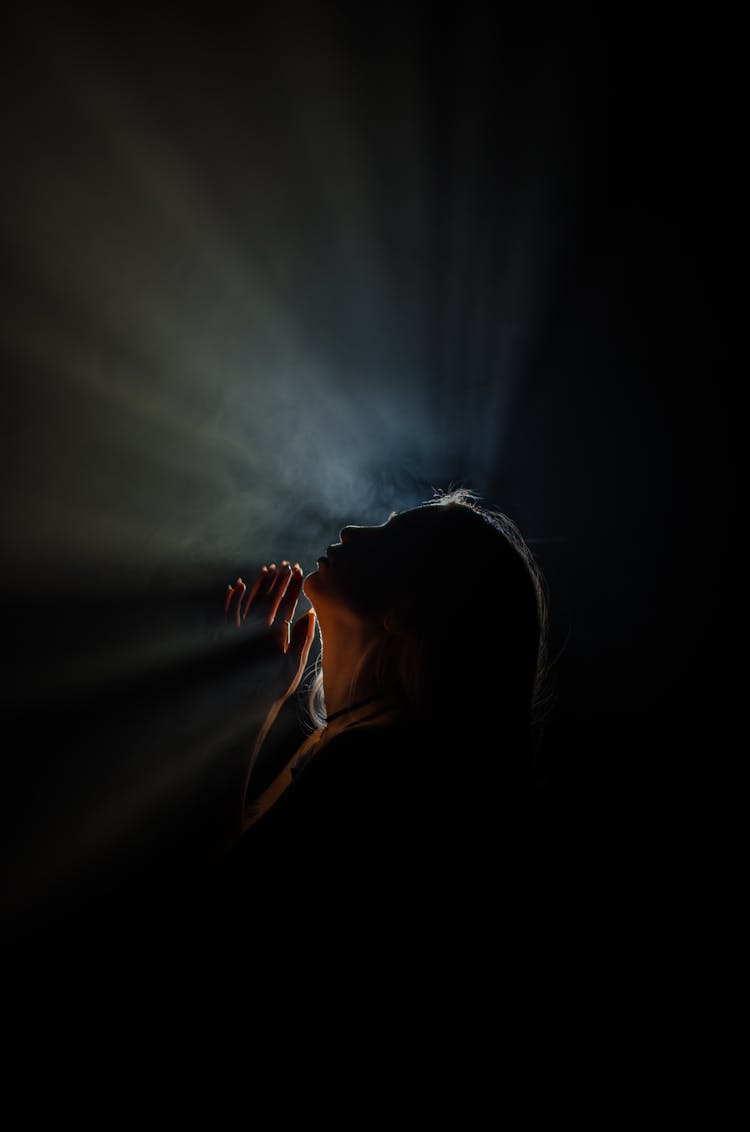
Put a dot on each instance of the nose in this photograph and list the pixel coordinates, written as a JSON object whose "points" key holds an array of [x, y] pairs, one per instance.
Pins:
{"points": [[346, 533]]}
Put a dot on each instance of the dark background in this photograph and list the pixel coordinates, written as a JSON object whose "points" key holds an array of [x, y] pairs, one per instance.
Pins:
{"points": [[267, 274]]}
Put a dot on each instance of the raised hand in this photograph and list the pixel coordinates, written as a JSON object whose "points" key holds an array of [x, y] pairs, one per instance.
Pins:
{"points": [[263, 619]]}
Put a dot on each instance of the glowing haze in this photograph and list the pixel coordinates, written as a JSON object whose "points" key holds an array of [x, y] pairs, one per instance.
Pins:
{"points": [[252, 310], [262, 286]]}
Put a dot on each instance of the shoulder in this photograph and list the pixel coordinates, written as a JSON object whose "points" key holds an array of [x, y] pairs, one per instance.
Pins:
{"points": [[352, 788], [357, 761], [381, 740]]}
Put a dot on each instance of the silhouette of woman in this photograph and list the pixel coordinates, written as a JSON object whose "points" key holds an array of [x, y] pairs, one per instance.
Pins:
{"points": [[418, 771]]}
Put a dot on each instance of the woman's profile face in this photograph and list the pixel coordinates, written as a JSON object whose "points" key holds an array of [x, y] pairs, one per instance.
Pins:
{"points": [[450, 577], [372, 569]]}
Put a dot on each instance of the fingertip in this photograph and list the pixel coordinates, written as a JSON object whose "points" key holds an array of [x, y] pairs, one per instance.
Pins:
{"points": [[304, 626]]}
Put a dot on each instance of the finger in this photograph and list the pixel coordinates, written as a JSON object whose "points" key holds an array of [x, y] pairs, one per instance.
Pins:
{"points": [[302, 635], [263, 602], [281, 570], [239, 591], [263, 597], [260, 586], [288, 602], [233, 601], [281, 628], [278, 589]]}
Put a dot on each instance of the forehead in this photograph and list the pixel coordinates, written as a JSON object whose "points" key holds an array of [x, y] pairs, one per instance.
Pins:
{"points": [[398, 519], [414, 519]]}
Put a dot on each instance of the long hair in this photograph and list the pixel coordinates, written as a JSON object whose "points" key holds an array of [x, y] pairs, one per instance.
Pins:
{"points": [[471, 646]]}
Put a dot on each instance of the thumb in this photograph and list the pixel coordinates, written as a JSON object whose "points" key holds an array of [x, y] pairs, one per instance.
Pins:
{"points": [[303, 632]]}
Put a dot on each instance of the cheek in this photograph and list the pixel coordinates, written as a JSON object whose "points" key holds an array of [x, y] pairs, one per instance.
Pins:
{"points": [[370, 590], [321, 585]]}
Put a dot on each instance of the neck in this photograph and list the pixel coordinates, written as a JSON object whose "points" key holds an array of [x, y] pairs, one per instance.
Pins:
{"points": [[341, 657]]}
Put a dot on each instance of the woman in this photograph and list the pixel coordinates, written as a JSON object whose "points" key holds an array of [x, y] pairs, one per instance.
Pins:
{"points": [[433, 634]]}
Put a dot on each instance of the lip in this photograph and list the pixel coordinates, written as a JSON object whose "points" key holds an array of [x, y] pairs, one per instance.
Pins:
{"points": [[331, 552]]}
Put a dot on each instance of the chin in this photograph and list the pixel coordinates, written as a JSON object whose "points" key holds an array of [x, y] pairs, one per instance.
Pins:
{"points": [[310, 583]]}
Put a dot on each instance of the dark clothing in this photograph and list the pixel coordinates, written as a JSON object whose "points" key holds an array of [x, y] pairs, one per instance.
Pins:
{"points": [[384, 829], [391, 843]]}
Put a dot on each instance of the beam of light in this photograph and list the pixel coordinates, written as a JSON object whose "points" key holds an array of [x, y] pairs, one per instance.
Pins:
{"points": [[245, 315]]}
